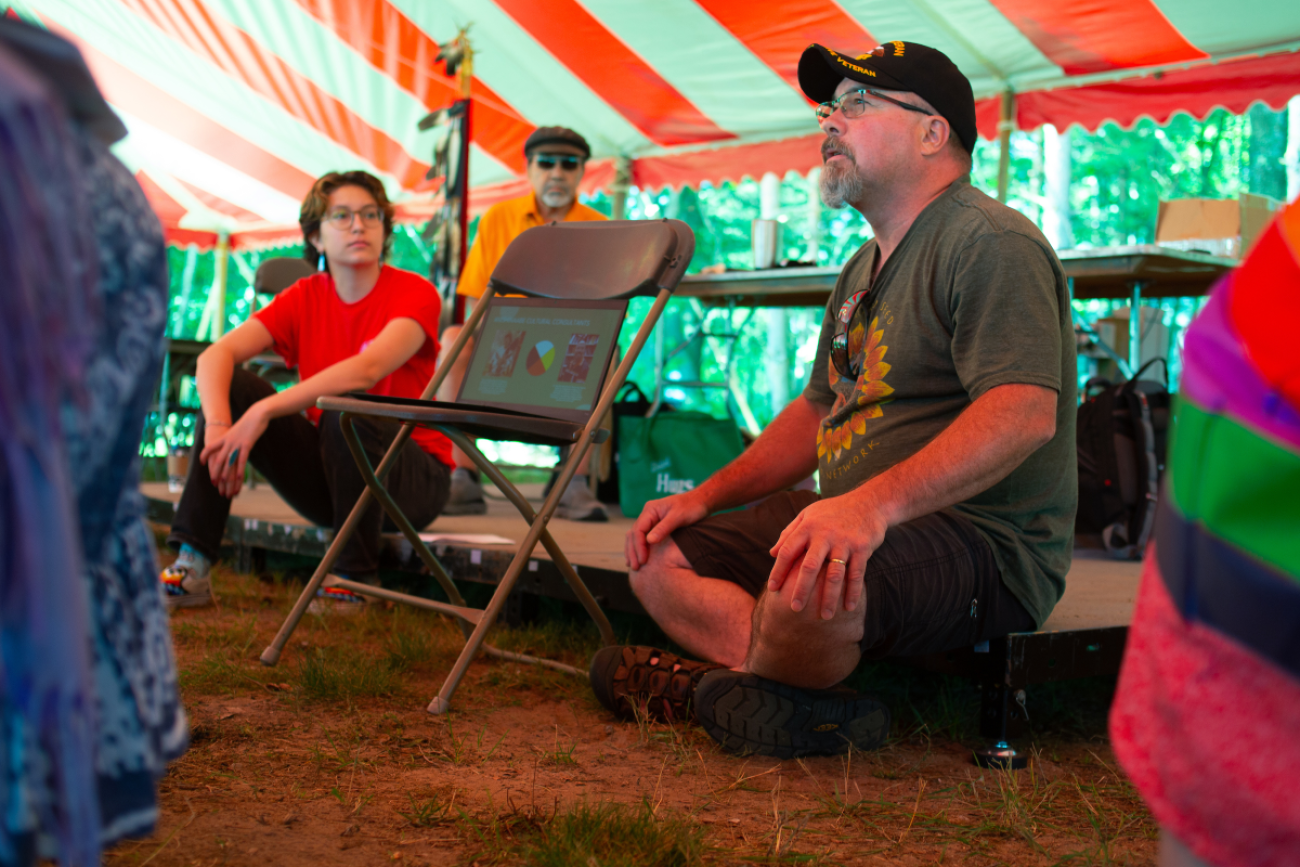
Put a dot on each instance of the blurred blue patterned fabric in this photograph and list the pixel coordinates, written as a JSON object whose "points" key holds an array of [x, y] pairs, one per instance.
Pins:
{"points": [[89, 709]]}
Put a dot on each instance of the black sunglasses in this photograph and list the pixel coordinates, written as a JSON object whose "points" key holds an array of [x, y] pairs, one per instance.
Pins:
{"points": [[546, 162], [847, 365]]}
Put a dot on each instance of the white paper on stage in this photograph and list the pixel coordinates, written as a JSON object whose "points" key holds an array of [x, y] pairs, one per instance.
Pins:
{"points": [[466, 539]]}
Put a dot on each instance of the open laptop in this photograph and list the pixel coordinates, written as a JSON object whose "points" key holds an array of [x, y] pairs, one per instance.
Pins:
{"points": [[542, 357]]}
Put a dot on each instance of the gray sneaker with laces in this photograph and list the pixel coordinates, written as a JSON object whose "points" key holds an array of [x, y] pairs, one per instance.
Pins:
{"points": [[466, 496], [579, 504]]}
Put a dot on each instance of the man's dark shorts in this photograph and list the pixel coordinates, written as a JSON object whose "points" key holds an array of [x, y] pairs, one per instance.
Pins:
{"points": [[931, 586]]}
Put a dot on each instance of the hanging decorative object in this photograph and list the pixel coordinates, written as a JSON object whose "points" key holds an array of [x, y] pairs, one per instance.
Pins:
{"points": [[446, 231]]}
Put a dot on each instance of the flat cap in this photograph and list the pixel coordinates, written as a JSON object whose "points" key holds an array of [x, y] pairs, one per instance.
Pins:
{"points": [[552, 135]]}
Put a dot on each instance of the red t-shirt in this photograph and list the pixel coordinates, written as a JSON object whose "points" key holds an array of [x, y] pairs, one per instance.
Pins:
{"points": [[313, 328]]}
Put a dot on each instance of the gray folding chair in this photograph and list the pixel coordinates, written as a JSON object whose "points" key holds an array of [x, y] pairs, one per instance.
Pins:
{"points": [[573, 262], [278, 273]]}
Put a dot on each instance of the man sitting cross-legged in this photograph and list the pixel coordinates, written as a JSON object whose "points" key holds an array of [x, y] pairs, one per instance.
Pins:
{"points": [[939, 415]]}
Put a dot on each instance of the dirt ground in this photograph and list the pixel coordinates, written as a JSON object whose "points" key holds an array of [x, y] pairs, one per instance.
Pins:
{"points": [[330, 758]]}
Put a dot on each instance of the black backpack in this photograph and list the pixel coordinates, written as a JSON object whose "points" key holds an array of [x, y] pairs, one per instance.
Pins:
{"points": [[1122, 431]]}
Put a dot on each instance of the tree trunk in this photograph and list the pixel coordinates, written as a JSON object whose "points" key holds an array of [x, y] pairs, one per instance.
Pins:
{"points": [[1056, 193], [1293, 150], [776, 358], [1268, 143]]}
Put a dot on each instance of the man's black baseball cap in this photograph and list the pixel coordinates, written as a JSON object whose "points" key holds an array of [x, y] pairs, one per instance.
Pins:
{"points": [[909, 66], [553, 135]]}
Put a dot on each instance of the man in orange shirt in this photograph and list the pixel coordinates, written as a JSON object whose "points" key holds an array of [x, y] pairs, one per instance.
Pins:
{"points": [[556, 161]]}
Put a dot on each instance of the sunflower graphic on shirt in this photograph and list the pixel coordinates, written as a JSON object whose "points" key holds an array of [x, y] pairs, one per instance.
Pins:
{"points": [[869, 395]]}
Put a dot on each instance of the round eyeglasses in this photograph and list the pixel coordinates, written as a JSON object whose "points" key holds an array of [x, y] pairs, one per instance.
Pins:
{"points": [[341, 218], [854, 104]]}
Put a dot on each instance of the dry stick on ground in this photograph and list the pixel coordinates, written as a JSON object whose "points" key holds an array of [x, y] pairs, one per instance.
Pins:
{"points": [[172, 835], [1102, 762], [744, 779], [655, 800], [1079, 788], [919, 792]]}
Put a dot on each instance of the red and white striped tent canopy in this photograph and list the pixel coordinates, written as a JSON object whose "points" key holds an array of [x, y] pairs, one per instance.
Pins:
{"points": [[234, 106]]}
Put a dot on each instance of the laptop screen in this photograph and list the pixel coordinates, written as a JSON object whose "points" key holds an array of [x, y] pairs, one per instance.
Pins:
{"points": [[543, 356]]}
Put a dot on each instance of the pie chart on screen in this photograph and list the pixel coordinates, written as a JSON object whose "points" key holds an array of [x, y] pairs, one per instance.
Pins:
{"points": [[540, 357]]}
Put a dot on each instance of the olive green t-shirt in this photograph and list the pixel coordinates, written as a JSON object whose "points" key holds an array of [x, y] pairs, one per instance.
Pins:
{"points": [[974, 297]]}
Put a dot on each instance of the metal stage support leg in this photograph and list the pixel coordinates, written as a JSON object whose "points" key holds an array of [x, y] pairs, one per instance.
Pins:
{"points": [[997, 721], [248, 559]]}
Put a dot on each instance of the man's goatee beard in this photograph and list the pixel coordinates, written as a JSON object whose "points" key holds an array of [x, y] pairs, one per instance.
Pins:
{"points": [[556, 199], [840, 186]]}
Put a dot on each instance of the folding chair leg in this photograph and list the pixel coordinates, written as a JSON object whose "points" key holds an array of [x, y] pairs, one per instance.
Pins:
{"points": [[442, 703], [271, 655], [536, 532], [576, 584], [380, 493]]}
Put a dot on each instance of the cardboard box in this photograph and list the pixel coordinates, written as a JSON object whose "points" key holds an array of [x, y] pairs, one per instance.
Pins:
{"points": [[1221, 227], [1113, 331]]}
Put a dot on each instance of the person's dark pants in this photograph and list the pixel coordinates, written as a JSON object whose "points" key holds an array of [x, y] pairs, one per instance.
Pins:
{"points": [[313, 470], [931, 586]]}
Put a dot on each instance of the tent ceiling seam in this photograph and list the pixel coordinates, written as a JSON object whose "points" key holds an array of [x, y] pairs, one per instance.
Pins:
{"points": [[1068, 82], [955, 35]]}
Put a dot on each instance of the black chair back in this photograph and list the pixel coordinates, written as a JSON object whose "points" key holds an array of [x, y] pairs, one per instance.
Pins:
{"points": [[275, 275]]}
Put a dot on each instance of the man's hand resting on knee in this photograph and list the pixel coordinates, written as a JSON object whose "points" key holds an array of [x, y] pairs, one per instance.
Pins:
{"points": [[840, 533], [987, 441], [783, 455], [658, 520]]}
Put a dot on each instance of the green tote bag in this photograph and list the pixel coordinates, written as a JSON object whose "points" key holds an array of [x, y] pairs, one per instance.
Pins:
{"points": [[670, 453]]}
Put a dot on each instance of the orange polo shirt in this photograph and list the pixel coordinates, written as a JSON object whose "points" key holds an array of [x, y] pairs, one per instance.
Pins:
{"points": [[504, 222]]}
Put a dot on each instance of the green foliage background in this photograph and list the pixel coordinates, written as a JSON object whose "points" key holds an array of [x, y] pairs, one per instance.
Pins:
{"points": [[1118, 177]]}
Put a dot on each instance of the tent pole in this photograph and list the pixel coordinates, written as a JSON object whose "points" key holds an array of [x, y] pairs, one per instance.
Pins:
{"points": [[618, 190], [1005, 125], [220, 265], [458, 310], [465, 77]]}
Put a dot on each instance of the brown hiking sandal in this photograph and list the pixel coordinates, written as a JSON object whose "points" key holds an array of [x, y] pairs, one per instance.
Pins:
{"points": [[647, 682]]}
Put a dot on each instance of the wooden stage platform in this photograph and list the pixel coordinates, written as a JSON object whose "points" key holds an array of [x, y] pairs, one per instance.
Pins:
{"points": [[1084, 636]]}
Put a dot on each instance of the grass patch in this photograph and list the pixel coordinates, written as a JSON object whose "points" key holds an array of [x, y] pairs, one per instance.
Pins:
{"points": [[429, 812], [219, 675], [570, 641], [223, 654], [412, 639], [337, 674], [611, 835], [615, 835]]}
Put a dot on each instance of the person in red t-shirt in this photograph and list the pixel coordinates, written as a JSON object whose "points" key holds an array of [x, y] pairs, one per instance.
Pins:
{"points": [[357, 325]]}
